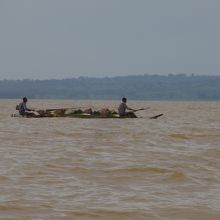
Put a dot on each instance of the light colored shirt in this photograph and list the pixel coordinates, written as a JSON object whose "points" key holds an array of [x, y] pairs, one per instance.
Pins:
{"points": [[122, 108]]}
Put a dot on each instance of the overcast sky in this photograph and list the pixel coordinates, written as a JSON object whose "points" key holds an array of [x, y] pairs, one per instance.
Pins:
{"points": [[43, 39]]}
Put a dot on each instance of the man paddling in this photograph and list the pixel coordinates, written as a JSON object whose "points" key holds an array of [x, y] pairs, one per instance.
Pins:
{"points": [[23, 109], [122, 110]]}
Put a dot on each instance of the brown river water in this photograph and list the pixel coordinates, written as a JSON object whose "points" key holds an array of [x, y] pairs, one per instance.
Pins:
{"points": [[65, 168]]}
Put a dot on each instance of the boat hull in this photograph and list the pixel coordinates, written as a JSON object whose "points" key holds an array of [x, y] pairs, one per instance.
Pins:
{"points": [[114, 116]]}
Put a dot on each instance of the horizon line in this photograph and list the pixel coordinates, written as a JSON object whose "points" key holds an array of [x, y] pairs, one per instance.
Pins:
{"points": [[117, 76]]}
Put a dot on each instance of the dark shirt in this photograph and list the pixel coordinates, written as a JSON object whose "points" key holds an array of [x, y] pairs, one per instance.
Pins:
{"points": [[22, 108]]}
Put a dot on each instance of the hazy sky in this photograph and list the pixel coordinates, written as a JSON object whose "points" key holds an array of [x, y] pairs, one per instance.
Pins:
{"points": [[42, 39]]}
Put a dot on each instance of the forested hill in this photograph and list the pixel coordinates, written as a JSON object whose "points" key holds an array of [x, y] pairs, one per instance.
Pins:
{"points": [[142, 87]]}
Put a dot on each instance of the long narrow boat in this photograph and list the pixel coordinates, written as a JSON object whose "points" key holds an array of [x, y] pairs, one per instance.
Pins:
{"points": [[81, 115], [84, 115], [68, 113]]}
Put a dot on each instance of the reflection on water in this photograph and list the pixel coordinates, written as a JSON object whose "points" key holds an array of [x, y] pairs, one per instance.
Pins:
{"points": [[65, 168]]}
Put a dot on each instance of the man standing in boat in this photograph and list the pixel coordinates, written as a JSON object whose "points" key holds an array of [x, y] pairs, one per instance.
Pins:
{"points": [[122, 110]]}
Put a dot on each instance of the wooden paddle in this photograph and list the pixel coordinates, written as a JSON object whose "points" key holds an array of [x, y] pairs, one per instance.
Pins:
{"points": [[153, 117], [140, 109], [156, 116]]}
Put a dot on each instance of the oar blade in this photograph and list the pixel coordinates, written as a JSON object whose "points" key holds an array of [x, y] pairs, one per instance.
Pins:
{"points": [[156, 116]]}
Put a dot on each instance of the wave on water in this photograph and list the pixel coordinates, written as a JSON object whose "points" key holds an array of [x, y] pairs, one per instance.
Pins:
{"points": [[139, 170], [109, 214], [179, 136], [177, 176]]}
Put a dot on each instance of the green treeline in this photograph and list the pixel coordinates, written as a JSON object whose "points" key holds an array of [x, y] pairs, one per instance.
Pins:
{"points": [[142, 87]]}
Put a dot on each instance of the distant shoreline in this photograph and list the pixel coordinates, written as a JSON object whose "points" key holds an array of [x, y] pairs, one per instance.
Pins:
{"points": [[117, 76], [171, 87]]}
